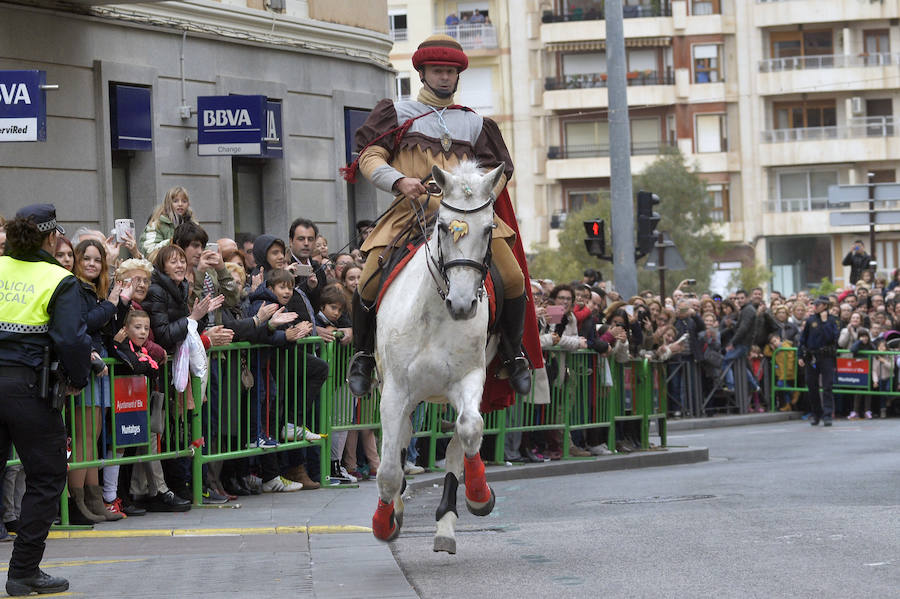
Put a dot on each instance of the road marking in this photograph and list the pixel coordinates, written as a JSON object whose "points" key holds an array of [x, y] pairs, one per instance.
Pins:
{"points": [[82, 562], [206, 532], [686, 436]]}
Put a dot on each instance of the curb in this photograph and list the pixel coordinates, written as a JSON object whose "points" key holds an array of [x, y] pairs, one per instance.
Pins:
{"points": [[642, 459], [205, 532], [690, 424]]}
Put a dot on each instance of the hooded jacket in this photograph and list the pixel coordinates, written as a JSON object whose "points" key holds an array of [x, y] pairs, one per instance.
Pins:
{"points": [[261, 247]]}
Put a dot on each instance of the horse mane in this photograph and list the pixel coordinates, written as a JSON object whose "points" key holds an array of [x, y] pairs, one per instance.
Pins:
{"points": [[467, 168]]}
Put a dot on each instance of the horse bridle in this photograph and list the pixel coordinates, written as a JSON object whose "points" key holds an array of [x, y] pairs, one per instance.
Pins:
{"points": [[443, 285]]}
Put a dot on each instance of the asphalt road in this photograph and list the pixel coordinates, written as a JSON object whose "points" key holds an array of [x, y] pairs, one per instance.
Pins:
{"points": [[780, 510]]}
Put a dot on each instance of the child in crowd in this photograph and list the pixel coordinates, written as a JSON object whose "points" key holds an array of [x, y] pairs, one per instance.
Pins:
{"points": [[784, 369], [863, 343], [757, 367], [174, 210], [883, 372], [334, 325]]}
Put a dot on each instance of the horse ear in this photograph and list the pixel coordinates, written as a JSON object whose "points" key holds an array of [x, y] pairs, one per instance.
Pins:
{"points": [[440, 176], [493, 177]]}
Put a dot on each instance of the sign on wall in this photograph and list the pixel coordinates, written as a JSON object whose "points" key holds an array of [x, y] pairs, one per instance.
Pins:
{"points": [[23, 106], [130, 118], [274, 145], [233, 125]]}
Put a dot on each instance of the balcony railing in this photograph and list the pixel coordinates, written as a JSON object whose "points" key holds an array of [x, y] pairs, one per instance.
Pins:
{"points": [[589, 80], [598, 150], [399, 35], [596, 14], [796, 205], [870, 126], [471, 36], [827, 61]]}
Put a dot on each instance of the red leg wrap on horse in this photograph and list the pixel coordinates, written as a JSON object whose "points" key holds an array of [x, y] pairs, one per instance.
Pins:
{"points": [[383, 523], [477, 489]]}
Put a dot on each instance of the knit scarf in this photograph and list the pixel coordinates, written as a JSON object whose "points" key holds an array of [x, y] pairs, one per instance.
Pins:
{"points": [[426, 96]]}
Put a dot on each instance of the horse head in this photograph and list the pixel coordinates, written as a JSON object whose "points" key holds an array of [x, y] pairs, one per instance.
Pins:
{"points": [[465, 224]]}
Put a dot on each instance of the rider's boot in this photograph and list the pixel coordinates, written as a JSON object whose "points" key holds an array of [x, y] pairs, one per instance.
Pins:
{"points": [[512, 324], [359, 378]]}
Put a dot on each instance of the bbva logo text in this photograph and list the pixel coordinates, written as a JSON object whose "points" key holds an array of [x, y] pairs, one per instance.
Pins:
{"points": [[221, 118], [16, 93]]}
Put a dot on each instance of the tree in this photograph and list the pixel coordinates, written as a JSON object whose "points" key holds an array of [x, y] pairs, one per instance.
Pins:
{"points": [[686, 217], [567, 262], [749, 277]]}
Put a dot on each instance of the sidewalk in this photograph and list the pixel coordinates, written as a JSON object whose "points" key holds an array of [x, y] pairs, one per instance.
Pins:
{"points": [[310, 543]]}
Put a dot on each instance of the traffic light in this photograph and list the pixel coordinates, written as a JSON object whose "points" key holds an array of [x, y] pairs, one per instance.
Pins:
{"points": [[596, 237], [647, 220]]}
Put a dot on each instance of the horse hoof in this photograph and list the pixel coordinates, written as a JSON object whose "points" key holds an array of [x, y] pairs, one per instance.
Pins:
{"points": [[482, 509], [385, 523], [447, 544]]}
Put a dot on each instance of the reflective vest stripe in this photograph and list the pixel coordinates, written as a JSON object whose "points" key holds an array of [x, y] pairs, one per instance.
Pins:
{"points": [[25, 292]]}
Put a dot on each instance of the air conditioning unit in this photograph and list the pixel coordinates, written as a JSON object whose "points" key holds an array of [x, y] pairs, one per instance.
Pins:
{"points": [[857, 107]]}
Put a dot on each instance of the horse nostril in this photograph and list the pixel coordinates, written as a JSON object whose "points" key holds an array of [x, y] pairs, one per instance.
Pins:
{"points": [[472, 307], [448, 302]]}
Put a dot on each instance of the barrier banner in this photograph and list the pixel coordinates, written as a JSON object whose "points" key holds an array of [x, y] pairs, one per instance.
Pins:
{"points": [[853, 372], [130, 393]]}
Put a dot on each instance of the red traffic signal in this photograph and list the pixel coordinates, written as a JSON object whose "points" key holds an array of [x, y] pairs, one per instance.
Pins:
{"points": [[595, 244]]}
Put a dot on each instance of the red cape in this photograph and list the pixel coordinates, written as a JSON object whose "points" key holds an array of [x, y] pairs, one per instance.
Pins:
{"points": [[497, 392]]}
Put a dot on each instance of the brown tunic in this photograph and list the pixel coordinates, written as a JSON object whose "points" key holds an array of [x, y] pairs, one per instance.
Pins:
{"points": [[473, 138]]}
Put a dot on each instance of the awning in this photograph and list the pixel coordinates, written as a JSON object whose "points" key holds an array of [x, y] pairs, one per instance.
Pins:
{"points": [[589, 45]]}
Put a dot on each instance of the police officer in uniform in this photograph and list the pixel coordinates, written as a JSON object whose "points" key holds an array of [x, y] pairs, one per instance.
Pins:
{"points": [[818, 348], [40, 321]]}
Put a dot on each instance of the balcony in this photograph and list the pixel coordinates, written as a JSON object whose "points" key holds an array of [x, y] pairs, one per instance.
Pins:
{"points": [[862, 138], [769, 13], [399, 35], [862, 72], [594, 80], [581, 161], [597, 14], [589, 90], [477, 36]]}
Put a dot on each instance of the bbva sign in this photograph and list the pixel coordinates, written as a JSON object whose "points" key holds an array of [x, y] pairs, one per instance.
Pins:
{"points": [[23, 107]]}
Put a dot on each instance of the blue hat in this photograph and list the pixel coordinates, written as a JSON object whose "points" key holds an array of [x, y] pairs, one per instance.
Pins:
{"points": [[43, 215], [822, 299]]}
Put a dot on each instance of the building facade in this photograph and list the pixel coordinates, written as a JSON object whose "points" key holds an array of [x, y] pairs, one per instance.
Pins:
{"points": [[771, 100], [322, 64]]}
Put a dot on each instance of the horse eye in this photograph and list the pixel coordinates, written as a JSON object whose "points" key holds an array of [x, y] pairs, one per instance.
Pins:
{"points": [[489, 230]]}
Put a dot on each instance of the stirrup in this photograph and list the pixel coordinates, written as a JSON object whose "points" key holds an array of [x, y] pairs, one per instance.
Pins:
{"points": [[353, 359]]}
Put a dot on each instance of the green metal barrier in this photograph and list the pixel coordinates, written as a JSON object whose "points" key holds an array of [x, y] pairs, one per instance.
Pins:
{"points": [[791, 384], [588, 392]]}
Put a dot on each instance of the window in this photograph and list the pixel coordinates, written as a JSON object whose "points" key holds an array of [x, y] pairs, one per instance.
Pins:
{"points": [[247, 184], [476, 89], [786, 44], [645, 136], [804, 190], [710, 133], [797, 115], [587, 138], [708, 63], [877, 46], [397, 25], [579, 198], [705, 7], [671, 131], [403, 88], [718, 202], [585, 62], [798, 262]]}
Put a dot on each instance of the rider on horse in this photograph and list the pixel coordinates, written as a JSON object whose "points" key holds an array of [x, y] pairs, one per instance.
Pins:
{"points": [[398, 145]]}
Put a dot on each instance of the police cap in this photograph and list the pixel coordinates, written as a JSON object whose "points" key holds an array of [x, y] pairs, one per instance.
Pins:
{"points": [[822, 299], [42, 215]]}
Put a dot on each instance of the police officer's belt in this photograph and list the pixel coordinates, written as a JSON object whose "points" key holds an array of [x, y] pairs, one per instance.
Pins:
{"points": [[14, 372]]}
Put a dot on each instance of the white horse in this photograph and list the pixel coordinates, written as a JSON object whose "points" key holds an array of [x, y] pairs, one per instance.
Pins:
{"points": [[431, 345]]}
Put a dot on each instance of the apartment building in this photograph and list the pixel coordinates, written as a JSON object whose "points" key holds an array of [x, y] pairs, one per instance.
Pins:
{"points": [[772, 101], [123, 125]]}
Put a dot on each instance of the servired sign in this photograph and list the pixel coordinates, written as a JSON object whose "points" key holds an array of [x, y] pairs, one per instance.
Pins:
{"points": [[23, 106]]}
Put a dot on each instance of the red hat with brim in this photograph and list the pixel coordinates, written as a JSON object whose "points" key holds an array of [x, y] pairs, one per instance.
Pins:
{"points": [[440, 50]]}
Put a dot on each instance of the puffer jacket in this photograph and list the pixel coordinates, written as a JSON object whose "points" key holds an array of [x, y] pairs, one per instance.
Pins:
{"points": [[167, 305]]}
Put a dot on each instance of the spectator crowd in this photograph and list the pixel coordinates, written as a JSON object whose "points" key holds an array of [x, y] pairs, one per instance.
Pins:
{"points": [[144, 291]]}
